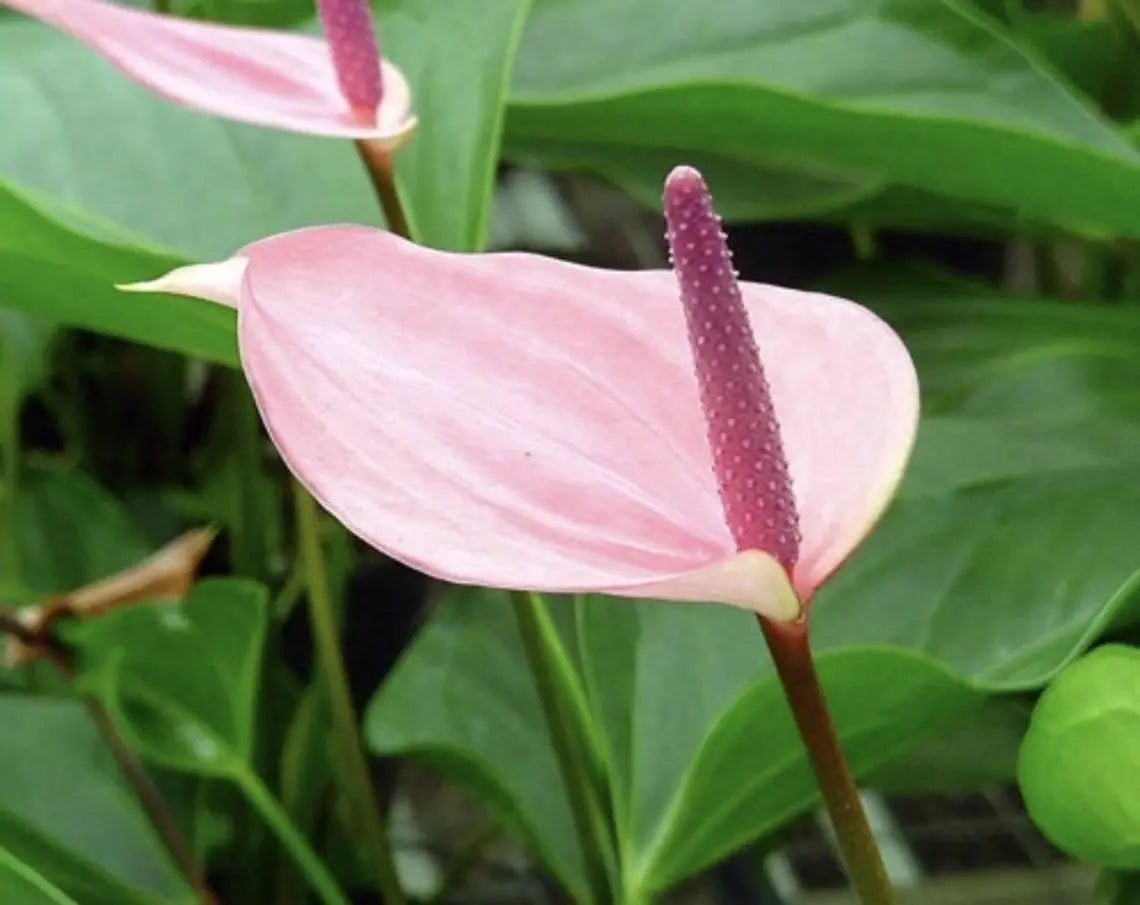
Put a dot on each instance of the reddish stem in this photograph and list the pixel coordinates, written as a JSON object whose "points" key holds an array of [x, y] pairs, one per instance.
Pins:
{"points": [[791, 653], [378, 162]]}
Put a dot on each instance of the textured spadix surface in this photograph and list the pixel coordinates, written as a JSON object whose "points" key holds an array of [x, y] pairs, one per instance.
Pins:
{"points": [[268, 78], [517, 421], [347, 26], [743, 424]]}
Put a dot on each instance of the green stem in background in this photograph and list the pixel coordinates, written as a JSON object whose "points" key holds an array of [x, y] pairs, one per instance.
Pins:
{"points": [[378, 162], [307, 861], [863, 241], [788, 644], [152, 802], [135, 774], [248, 512], [567, 739], [359, 794]]}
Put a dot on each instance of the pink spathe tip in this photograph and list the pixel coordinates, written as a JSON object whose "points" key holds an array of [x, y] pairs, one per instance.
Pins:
{"points": [[275, 79], [743, 429], [351, 38]]}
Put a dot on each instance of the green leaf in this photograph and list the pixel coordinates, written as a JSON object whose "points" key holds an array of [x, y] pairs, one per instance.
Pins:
{"points": [[58, 776], [954, 452], [1085, 51], [701, 753], [885, 90], [1029, 440], [1036, 362], [745, 191], [1080, 762], [751, 776], [181, 679], [485, 726], [1004, 583], [71, 531], [45, 267], [20, 885], [980, 749], [458, 58]]}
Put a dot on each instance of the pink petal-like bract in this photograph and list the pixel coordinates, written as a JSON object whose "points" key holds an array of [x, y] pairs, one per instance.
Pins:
{"points": [[516, 421], [253, 75]]}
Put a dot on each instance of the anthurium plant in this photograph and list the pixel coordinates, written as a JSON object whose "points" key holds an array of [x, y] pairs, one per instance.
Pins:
{"points": [[323, 464]]}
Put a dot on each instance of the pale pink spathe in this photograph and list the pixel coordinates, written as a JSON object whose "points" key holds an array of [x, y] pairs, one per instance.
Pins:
{"points": [[268, 78], [516, 421]]}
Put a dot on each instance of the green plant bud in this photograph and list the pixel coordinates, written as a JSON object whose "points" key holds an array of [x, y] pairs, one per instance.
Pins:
{"points": [[1079, 766]]}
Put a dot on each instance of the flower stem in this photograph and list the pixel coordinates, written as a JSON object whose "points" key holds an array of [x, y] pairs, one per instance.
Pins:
{"points": [[307, 861], [788, 644], [378, 162], [534, 628], [360, 796]]}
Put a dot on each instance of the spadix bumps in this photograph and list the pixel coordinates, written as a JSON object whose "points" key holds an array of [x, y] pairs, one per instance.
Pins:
{"points": [[743, 427], [348, 29], [516, 421]]}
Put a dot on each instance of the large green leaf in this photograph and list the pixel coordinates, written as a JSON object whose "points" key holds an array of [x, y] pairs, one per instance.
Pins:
{"points": [[1002, 582], [458, 58], [745, 190], [977, 750], [21, 885], [700, 749], [1032, 362], [181, 679], [45, 267], [958, 451], [1017, 545], [925, 93], [65, 811]]}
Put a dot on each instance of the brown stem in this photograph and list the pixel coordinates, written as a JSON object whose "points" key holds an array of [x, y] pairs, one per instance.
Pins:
{"points": [[134, 772], [791, 653], [378, 162]]}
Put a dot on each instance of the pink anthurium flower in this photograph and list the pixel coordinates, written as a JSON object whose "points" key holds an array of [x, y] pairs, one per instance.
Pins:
{"points": [[516, 421], [253, 75]]}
